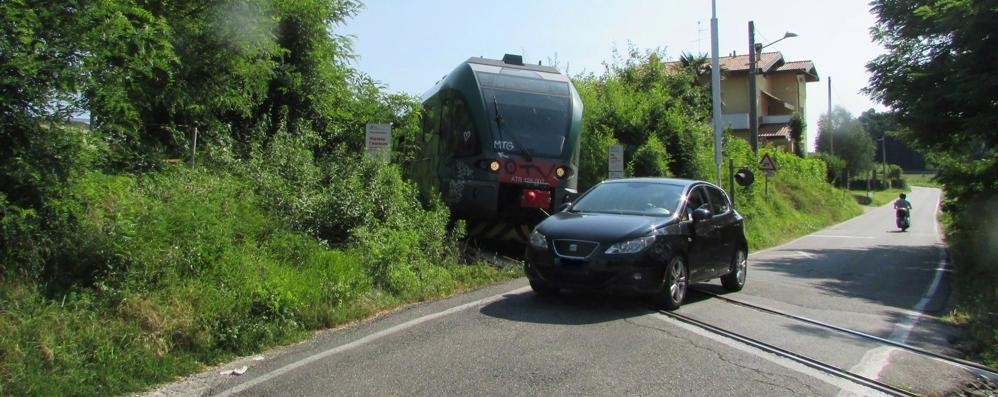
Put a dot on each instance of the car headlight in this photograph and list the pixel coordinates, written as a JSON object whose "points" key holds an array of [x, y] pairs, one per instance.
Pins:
{"points": [[631, 246], [537, 240]]}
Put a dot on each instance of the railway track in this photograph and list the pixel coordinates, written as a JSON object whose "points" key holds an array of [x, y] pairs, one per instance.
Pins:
{"points": [[510, 253], [982, 371], [799, 358]]}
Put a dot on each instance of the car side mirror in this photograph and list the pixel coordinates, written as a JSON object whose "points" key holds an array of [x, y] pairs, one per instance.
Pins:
{"points": [[563, 207], [701, 214]]}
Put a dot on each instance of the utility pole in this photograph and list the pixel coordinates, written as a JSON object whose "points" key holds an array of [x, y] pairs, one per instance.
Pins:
{"points": [[883, 157], [753, 100], [715, 88], [194, 146], [831, 134]]}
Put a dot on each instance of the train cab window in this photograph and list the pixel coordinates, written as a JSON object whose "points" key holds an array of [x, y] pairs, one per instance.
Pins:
{"points": [[718, 202], [431, 119], [459, 129]]}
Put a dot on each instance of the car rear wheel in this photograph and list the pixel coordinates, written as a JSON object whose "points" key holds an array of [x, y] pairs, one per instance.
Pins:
{"points": [[674, 284], [542, 288], [735, 279]]}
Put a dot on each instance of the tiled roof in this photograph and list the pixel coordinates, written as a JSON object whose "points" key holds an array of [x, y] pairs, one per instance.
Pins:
{"points": [[781, 130], [739, 63], [805, 67], [768, 62]]}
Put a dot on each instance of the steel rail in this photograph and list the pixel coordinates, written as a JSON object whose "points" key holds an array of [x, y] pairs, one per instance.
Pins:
{"points": [[810, 362], [941, 357]]}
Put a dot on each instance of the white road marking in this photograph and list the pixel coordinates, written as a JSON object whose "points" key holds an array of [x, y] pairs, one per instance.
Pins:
{"points": [[839, 236], [805, 255], [367, 339], [844, 385], [843, 223], [875, 360]]}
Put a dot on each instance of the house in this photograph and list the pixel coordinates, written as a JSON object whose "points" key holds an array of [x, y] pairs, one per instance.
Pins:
{"points": [[781, 91]]}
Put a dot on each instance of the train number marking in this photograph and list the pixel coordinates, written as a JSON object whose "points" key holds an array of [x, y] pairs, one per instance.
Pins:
{"points": [[502, 145]]}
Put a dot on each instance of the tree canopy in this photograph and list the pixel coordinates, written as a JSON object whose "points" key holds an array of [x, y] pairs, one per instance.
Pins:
{"points": [[639, 103], [938, 75], [843, 135], [884, 126]]}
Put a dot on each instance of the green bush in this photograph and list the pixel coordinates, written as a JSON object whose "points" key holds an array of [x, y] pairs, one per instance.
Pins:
{"points": [[798, 201], [650, 159], [835, 166], [638, 99], [973, 243], [161, 273]]}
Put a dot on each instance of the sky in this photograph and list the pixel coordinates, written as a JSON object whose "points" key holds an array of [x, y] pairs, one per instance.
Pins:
{"points": [[409, 45]]}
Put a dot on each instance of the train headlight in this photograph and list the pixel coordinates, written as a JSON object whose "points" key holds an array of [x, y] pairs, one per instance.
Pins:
{"points": [[560, 172], [494, 166]]}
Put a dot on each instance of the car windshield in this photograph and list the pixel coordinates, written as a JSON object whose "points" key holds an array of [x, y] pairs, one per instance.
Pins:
{"points": [[631, 198]]}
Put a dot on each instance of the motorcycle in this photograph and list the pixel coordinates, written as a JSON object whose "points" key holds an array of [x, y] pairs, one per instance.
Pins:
{"points": [[903, 219]]}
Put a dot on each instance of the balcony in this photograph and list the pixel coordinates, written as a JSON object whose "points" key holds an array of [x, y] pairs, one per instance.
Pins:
{"points": [[735, 121], [778, 119]]}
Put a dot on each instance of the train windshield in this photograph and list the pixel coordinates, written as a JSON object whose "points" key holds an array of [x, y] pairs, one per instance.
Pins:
{"points": [[529, 115]]}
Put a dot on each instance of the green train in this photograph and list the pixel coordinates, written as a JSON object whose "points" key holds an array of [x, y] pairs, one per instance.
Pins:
{"points": [[499, 143]]}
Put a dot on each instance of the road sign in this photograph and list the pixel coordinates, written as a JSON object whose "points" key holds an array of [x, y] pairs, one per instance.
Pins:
{"points": [[767, 163], [616, 161], [379, 140]]}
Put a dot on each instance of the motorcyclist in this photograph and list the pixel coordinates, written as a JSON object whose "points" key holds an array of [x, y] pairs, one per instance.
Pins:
{"points": [[902, 204]]}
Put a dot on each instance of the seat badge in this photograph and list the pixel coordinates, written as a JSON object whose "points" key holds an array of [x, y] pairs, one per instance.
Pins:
{"points": [[573, 247]]}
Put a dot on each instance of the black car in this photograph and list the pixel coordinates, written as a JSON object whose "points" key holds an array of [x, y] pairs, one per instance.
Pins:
{"points": [[651, 236]]}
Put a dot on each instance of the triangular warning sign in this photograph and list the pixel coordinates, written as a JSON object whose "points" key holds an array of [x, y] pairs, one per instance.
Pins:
{"points": [[767, 164]]}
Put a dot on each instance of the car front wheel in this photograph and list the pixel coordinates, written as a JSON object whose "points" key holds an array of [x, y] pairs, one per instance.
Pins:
{"points": [[735, 279], [674, 284]]}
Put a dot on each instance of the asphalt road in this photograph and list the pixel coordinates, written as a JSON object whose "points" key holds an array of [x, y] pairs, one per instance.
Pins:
{"points": [[504, 340]]}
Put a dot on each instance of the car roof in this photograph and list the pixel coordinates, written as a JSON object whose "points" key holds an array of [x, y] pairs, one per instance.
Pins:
{"points": [[666, 181]]}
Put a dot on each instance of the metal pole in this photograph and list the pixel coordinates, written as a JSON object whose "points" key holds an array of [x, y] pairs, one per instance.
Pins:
{"points": [[883, 151], [753, 100], [731, 180], [715, 88], [194, 147], [831, 129]]}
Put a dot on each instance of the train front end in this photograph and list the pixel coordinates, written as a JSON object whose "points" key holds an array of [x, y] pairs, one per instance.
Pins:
{"points": [[529, 121]]}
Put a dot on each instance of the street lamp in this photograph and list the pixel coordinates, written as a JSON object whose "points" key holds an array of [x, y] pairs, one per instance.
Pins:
{"points": [[753, 96]]}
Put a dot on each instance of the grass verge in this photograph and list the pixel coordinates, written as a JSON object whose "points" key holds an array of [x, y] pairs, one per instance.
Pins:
{"points": [[157, 276]]}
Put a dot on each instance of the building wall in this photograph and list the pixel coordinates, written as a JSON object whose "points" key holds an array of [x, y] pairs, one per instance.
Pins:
{"points": [[734, 93], [788, 86], [784, 86]]}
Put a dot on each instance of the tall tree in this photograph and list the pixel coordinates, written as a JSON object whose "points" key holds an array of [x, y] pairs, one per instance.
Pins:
{"points": [[845, 134], [884, 129], [938, 75], [638, 98]]}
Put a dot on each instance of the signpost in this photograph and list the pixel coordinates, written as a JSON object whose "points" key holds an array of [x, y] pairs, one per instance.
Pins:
{"points": [[616, 162], [379, 140], [769, 167]]}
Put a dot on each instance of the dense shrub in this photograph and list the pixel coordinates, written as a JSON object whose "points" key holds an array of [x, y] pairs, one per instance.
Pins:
{"points": [[188, 266], [798, 200], [650, 159], [637, 99]]}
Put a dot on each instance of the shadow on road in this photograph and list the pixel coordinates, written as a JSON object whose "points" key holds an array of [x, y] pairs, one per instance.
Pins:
{"points": [[575, 307], [890, 275], [567, 308]]}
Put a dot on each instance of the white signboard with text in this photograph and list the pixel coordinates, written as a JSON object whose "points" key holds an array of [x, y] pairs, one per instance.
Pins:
{"points": [[616, 162], [379, 140]]}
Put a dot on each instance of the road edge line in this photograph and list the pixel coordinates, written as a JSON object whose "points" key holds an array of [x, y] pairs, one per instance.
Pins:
{"points": [[357, 343]]}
